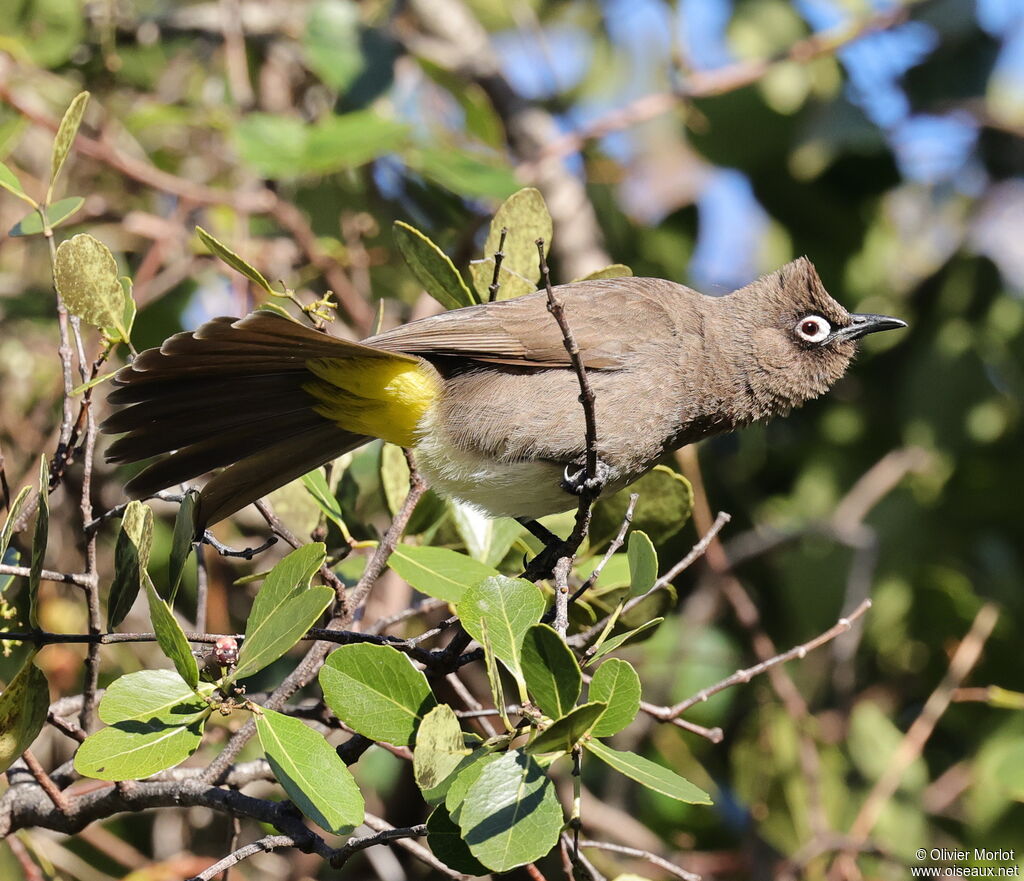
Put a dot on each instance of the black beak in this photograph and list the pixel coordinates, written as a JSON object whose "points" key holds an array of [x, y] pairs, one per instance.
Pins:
{"points": [[865, 323]]}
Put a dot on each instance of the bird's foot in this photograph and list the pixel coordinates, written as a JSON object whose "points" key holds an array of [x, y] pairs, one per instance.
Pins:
{"points": [[577, 484]]}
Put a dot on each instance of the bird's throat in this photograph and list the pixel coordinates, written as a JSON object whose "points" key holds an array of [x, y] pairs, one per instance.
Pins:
{"points": [[376, 397]]}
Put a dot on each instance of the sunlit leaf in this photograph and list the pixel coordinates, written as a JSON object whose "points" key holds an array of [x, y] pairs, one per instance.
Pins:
{"points": [[23, 708], [432, 267], [316, 779], [376, 690], [65, 138], [649, 774]]}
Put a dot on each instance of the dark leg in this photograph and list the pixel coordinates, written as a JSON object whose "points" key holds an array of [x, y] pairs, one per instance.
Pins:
{"points": [[542, 565]]}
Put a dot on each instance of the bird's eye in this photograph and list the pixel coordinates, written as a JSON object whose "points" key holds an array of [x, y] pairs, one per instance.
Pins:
{"points": [[813, 329]]}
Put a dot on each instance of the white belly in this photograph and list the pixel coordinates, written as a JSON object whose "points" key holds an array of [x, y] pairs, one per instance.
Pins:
{"points": [[513, 489]]}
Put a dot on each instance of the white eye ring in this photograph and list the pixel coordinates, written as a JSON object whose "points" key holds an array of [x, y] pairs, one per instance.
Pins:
{"points": [[813, 328]]}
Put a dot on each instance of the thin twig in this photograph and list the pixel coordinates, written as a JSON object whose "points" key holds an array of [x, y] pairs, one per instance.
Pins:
{"points": [[59, 799], [499, 256], [244, 553], [742, 676], [616, 543], [342, 855], [263, 845], [651, 858], [910, 747], [78, 579]]}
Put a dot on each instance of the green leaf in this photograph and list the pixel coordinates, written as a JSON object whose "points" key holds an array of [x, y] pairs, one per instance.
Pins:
{"points": [[394, 476], [33, 224], [14, 513], [376, 690], [526, 218], [170, 636], [316, 484], [9, 181], [133, 749], [23, 708], [92, 383], [467, 174], [643, 563], [153, 694], [618, 641], [284, 609], [615, 270], [510, 606], [350, 140], [616, 684], [432, 267], [311, 772], [564, 734], [85, 273], [40, 538], [233, 260], [331, 43], [649, 774], [439, 572], [487, 539], [280, 146], [131, 557], [440, 750], [552, 673], [464, 779], [664, 506], [181, 542], [445, 840], [511, 815], [65, 137]]}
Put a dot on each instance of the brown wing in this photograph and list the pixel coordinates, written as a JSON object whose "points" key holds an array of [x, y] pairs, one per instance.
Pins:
{"points": [[609, 318]]}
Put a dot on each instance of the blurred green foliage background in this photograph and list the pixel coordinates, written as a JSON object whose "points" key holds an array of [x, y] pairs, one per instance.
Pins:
{"points": [[298, 132]]}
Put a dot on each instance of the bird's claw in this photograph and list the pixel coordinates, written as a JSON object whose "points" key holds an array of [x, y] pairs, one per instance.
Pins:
{"points": [[578, 483]]}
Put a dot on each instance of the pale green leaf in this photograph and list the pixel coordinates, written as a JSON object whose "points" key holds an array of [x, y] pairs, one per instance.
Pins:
{"points": [[617, 642], [33, 224], [649, 774], [65, 137], [181, 541], [553, 676], [394, 476], [615, 270], [616, 684], [465, 173], [86, 276], [131, 750], [131, 557], [510, 606], [14, 513], [438, 572], [284, 609], [432, 268], [440, 750], [23, 708], [316, 779], [526, 218], [564, 734], [153, 694], [376, 690], [233, 260], [170, 636], [9, 181], [643, 563]]}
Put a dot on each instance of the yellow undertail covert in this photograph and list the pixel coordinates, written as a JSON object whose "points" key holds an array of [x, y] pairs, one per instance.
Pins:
{"points": [[373, 396]]}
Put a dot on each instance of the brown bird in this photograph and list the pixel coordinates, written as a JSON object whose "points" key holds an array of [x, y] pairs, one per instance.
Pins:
{"points": [[484, 395]]}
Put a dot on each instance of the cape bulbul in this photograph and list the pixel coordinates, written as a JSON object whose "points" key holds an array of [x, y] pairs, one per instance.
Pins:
{"points": [[485, 395]]}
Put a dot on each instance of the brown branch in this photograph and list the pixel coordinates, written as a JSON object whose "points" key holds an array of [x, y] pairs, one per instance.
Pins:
{"points": [[263, 845], [912, 744], [646, 855], [78, 579], [743, 676], [710, 83], [343, 854], [53, 793]]}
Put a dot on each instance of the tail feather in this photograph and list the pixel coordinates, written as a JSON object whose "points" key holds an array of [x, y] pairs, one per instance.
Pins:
{"points": [[230, 394]]}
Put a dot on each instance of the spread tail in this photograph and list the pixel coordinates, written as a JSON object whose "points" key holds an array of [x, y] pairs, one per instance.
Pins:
{"points": [[242, 394]]}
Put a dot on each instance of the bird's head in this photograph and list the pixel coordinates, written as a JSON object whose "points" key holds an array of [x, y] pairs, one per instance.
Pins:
{"points": [[800, 339]]}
